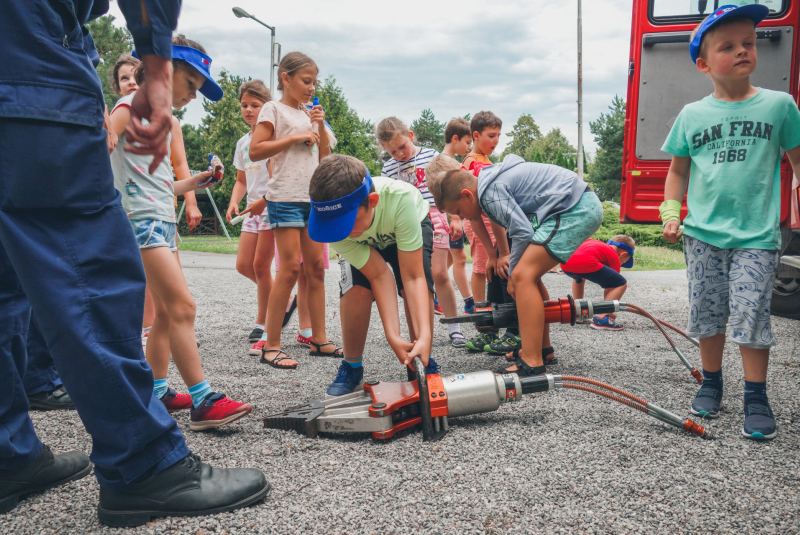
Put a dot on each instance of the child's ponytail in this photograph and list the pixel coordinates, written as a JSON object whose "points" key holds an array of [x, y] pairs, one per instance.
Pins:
{"points": [[256, 89]]}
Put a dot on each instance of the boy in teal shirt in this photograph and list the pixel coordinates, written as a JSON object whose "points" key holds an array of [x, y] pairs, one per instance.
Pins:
{"points": [[373, 224], [731, 142]]}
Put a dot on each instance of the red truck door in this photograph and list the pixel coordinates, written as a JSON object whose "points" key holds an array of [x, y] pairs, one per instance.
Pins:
{"points": [[662, 79]]}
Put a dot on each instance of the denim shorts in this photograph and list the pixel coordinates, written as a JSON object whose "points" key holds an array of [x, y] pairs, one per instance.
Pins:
{"points": [[154, 233], [288, 214]]}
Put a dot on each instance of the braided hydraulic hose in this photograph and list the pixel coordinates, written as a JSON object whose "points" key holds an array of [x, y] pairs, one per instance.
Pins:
{"points": [[636, 403], [630, 404], [658, 323], [604, 385]]}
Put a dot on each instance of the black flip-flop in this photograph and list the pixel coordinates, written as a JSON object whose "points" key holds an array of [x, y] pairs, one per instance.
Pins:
{"points": [[288, 315], [546, 351], [523, 368], [277, 358], [337, 352]]}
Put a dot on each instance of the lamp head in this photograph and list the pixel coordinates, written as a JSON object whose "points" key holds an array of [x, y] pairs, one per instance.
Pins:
{"points": [[241, 13]]}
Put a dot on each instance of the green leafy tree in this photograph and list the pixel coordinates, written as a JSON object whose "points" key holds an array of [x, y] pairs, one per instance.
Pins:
{"points": [[428, 132], [609, 133], [355, 136], [549, 146], [523, 135], [111, 42], [218, 133]]}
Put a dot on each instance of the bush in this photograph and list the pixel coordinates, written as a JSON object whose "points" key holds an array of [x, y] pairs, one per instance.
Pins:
{"points": [[650, 235]]}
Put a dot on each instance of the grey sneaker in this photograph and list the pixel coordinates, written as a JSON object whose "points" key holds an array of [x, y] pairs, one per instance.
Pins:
{"points": [[707, 402]]}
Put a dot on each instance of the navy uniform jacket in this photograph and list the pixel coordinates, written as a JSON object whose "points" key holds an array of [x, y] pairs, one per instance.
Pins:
{"points": [[51, 75]]}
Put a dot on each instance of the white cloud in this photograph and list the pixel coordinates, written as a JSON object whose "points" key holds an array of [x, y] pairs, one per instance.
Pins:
{"points": [[511, 57]]}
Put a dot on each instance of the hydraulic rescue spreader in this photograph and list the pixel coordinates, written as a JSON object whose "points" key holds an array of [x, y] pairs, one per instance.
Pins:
{"points": [[384, 408], [490, 316]]}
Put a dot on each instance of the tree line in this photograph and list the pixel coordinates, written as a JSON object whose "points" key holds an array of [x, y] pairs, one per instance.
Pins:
{"points": [[222, 126]]}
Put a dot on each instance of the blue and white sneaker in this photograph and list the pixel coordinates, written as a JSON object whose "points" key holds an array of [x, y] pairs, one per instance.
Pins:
{"points": [[347, 380], [707, 402], [759, 423], [458, 340], [605, 324], [432, 367]]}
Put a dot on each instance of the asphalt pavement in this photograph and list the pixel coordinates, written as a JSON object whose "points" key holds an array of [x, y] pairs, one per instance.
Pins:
{"points": [[560, 462]]}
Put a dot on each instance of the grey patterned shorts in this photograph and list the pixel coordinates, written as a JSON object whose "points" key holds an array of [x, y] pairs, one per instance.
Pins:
{"points": [[730, 283]]}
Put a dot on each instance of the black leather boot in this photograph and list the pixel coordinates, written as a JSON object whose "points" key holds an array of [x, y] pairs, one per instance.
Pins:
{"points": [[187, 488], [55, 400], [45, 472]]}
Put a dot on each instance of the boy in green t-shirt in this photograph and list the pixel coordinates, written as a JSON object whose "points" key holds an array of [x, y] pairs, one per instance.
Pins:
{"points": [[731, 142], [374, 224]]}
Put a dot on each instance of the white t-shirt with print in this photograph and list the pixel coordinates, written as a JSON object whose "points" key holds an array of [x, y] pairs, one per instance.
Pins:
{"points": [[413, 171], [256, 172], [291, 168]]}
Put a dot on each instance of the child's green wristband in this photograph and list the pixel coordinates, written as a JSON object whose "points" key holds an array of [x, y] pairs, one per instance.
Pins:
{"points": [[670, 210]]}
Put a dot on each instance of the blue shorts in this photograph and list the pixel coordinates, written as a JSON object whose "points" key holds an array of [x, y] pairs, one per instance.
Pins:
{"points": [[288, 214], [561, 235], [154, 233], [605, 277], [458, 244]]}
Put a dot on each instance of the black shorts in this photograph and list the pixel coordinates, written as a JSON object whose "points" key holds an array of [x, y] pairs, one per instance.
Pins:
{"points": [[605, 277], [353, 277], [458, 244]]}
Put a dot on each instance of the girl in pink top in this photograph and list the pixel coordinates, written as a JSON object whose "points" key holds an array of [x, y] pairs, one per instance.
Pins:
{"points": [[295, 139]]}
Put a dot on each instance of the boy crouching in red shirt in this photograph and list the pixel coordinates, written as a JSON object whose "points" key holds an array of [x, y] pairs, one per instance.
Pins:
{"points": [[600, 263]]}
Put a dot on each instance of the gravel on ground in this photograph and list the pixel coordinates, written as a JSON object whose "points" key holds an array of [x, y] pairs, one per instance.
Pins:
{"points": [[561, 462]]}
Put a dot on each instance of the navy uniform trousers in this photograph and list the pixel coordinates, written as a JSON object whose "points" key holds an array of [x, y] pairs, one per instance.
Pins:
{"points": [[40, 374], [68, 253]]}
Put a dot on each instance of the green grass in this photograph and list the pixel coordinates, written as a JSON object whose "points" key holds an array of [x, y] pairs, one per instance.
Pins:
{"points": [[645, 259], [209, 244]]}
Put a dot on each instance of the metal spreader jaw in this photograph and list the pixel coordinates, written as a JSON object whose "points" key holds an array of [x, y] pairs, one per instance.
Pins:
{"points": [[383, 409]]}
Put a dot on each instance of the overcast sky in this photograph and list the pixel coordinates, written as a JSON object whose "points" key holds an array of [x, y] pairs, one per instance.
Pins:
{"points": [[398, 58]]}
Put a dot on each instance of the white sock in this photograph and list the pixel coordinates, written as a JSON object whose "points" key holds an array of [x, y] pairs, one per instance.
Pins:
{"points": [[453, 328], [259, 326]]}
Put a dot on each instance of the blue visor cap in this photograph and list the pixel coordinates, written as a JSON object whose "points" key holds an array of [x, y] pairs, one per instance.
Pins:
{"points": [[333, 221], [202, 63], [625, 247], [754, 12]]}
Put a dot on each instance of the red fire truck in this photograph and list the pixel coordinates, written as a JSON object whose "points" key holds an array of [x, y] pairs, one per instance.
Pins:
{"points": [[662, 79]]}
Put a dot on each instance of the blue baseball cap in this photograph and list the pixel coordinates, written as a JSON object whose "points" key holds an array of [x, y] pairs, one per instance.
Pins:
{"points": [[202, 63], [625, 247], [333, 221], [755, 12]]}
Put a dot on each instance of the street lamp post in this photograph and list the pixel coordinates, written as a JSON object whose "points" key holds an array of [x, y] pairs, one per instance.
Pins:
{"points": [[241, 13]]}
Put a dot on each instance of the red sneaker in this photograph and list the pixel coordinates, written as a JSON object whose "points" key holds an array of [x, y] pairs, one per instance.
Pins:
{"points": [[303, 340], [437, 309], [176, 402], [255, 350], [217, 410]]}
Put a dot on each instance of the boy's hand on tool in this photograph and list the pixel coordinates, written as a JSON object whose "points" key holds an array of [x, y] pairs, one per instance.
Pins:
{"points": [[421, 350], [256, 208], [672, 231], [401, 347]]}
